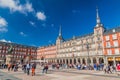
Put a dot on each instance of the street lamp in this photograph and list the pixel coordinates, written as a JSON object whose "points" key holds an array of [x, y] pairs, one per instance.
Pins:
{"points": [[88, 60]]}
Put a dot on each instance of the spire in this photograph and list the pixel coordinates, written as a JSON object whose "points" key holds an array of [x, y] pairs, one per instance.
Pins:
{"points": [[60, 34], [97, 18], [60, 31]]}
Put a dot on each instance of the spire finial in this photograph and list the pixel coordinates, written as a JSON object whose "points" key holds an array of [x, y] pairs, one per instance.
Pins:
{"points": [[97, 12], [97, 16], [60, 31]]}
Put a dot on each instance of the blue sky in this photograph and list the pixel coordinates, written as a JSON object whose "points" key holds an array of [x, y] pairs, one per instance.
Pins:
{"points": [[37, 22]]}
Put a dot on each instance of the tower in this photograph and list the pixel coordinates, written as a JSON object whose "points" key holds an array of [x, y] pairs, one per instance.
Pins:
{"points": [[98, 29], [98, 34], [59, 40]]}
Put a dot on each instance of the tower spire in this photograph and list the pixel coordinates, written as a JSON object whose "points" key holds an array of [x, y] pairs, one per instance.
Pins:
{"points": [[97, 18], [60, 31]]}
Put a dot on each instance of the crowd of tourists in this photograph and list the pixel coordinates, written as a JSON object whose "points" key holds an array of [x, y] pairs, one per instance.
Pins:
{"points": [[10, 67], [29, 68], [26, 67], [107, 68]]}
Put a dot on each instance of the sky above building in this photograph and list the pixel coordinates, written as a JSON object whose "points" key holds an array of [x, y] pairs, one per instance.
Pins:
{"points": [[37, 22]]}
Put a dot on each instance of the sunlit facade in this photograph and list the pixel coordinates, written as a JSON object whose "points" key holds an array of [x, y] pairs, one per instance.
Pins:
{"points": [[19, 52]]}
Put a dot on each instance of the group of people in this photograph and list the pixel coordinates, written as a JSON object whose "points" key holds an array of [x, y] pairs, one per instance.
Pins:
{"points": [[13, 67], [10, 66], [107, 68], [29, 66], [111, 68], [68, 66]]}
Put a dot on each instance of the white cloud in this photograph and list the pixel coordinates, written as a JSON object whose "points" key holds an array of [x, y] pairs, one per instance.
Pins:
{"points": [[3, 25], [3, 40], [41, 16], [23, 34], [3, 22], [32, 23], [28, 7], [14, 5]]}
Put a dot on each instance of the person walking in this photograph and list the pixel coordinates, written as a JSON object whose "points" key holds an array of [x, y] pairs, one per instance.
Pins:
{"points": [[109, 69], [45, 68], [105, 68], [9, 66], [33, 69], [28, 68]]}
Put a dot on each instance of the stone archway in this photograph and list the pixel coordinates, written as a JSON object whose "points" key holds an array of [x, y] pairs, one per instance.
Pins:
{"points": [[83, 61], [94, 61], [51, 61], [101, 60], [57, 60], [88, 60], [70, 61], [74, 61], [79, 60], [66, 61], [60, 61]]}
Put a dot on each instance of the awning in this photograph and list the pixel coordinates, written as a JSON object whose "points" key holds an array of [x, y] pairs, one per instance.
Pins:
{"points": [[110, 59], [117, 58]]}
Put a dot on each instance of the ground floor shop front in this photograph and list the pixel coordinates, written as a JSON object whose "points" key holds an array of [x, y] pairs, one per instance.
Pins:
{"points": [[112, 60]]}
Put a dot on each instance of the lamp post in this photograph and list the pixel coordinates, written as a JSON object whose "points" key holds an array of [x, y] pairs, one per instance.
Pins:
{"points": [[88, 60]]}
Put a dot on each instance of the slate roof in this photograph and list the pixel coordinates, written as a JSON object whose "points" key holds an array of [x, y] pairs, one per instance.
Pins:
{"points": [[15, 44], [112, 31], [81, 36]]}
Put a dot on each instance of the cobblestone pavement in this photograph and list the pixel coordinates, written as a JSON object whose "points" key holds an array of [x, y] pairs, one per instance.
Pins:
{"points": [[5, 76], [69, 74]]}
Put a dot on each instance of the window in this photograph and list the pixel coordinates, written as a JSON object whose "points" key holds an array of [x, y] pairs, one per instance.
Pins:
{"points": [[98, 38], [99, 45], [0, 47], [116, 51], [107, 38], [108, 44], [114, 36], [109, 52], [115, 43]]}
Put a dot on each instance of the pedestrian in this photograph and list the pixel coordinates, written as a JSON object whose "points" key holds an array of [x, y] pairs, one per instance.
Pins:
{"points": [[57, 66], [79, 66], [105, 68], [24, 68], [33, 69], [45, 68], [12, 67], [28, 68], [9, 66], [109, 69]]}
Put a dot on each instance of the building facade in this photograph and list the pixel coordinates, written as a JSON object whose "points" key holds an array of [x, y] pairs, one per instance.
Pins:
{"points": [[111, 40], [47, 53], [19, 52], [88, 49]]}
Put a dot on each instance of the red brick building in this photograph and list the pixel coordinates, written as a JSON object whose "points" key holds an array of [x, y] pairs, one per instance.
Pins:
{"points": [[111, 43], [47, 53], [19, 52]]}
